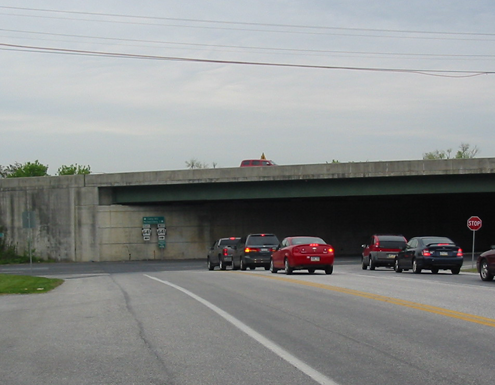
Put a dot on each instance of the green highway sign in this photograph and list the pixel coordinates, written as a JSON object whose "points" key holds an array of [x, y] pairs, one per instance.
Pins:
{"points": [[153, 220]]}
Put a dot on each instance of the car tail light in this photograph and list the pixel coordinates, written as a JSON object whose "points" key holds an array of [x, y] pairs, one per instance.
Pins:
{"points": [[297, 249], [329, 250], [251, 250], [459, 252], [273, 249], [426, 253], [225, 252]]}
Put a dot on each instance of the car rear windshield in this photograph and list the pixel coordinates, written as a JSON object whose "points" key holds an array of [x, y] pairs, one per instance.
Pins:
{"points": [[392, 244], [228, 242], [430, 240], [307, 241], [260, 240]]}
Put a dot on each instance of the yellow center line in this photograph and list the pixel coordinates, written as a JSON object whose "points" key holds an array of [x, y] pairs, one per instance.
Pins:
{"points": [[414, 305]]}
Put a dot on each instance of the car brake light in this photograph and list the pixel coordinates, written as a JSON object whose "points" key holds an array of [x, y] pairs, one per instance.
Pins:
{"points": [[232, 238], [330, 250], [313, 244], [251, 250], [426, 253], [459, 252], [225, 252]]}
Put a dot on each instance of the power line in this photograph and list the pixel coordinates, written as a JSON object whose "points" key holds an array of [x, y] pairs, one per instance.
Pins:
{"points": [[250, 23], [275, 49], [445, 73]]}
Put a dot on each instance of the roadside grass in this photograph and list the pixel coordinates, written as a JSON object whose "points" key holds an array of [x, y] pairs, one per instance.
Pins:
{"points": [[25, 284]]}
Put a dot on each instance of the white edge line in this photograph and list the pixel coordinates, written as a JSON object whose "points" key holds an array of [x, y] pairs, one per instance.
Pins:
{"points": [[303, 367]]}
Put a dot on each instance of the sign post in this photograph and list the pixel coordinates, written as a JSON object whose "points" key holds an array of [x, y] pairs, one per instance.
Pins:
{"points": [[474, 224]]}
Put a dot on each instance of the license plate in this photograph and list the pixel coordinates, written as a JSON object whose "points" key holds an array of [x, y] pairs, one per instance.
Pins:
{"points": [[227, 259], [264, 250], [443, 254], [315, 259], [392, 255]]}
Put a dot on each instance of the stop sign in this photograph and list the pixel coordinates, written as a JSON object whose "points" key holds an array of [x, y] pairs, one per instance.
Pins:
{"points": [[474, 223]]}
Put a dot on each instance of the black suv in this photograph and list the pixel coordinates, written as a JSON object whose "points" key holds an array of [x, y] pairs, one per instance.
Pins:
{"points": [[254, 250]]}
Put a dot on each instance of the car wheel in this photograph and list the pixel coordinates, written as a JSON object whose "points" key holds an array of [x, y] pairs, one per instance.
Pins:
{"points": [[455, 270], [311, 271], [209, 265], [434, 270], [288, 269], [372, 264], [222, 264], [243, 265], [484, 273], [273, 269], [329, 269], [267, 267], [364, 266], [397, 269], [415, 268]]}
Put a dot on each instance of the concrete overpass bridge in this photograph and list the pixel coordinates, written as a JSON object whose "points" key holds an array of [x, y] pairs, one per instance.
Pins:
{"points": [[110, 216]]}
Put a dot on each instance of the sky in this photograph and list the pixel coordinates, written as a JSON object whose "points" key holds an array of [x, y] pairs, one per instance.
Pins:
{"points": [[125, 86]]}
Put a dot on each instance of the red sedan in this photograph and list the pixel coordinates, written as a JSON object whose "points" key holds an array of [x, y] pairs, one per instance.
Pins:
{"points": [[298, 253]]}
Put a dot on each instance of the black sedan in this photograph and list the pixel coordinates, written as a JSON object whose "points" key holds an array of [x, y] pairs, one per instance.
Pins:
{"points": [[486, 265], [429, 253]]}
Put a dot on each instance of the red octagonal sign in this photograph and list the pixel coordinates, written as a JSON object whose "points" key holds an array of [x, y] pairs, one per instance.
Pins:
{"points": [[474, 223]]}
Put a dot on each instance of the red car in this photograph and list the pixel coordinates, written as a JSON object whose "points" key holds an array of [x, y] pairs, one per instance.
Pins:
{"points": [[486, 265], [298, 253]]}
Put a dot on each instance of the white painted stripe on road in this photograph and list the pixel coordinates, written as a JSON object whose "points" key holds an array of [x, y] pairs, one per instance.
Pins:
{"points": [[303, 367]]}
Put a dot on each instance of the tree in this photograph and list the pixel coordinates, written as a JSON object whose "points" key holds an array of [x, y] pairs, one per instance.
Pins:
{"points": [[465, 152], [27, 169], [74, 169], [194, 163]]}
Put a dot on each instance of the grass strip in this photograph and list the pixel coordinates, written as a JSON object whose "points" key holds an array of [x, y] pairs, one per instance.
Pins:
{"points": [[25, 284]]}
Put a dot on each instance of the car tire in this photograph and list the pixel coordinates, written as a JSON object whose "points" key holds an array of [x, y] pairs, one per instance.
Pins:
{"points": [[484, 273], [222, 264], [455, 270], [243, 265], [397, 269], [210, 266], [434, 270], [372, 264], [364, 266], [273, 269], [267, 267], [415, 268], [329, 269], [288, 269]]}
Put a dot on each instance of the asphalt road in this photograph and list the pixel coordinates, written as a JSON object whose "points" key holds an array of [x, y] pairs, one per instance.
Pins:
{"points": [[177, 323]]}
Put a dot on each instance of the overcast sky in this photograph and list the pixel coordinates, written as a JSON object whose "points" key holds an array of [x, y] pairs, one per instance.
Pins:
{"points": [[67, 98]]}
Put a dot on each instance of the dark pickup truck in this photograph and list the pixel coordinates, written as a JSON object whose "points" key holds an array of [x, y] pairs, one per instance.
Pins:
{"points": [[220, 253]]}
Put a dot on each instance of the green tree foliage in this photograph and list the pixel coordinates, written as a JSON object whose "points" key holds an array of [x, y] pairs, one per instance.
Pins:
{"points": [[27, 169], [465, 152], [74, 169]]}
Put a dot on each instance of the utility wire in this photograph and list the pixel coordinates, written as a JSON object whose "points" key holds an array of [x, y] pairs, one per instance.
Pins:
{"points": [[444, 73], [250, 23], [275, 49]]}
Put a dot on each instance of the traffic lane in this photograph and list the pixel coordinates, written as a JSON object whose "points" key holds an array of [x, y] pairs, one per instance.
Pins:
{"points": [[79, 333], [127, 329], [349, 338]]}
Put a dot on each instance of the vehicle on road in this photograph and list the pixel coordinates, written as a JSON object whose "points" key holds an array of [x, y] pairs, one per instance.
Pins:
{"points": [[381, 250], [220, 253], [254, 250], [429, 253], [486, 264], [303, 252], [257, 163]]}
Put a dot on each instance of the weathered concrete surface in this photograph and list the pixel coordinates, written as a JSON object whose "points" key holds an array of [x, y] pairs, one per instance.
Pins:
{"points": [[75, 220]]}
